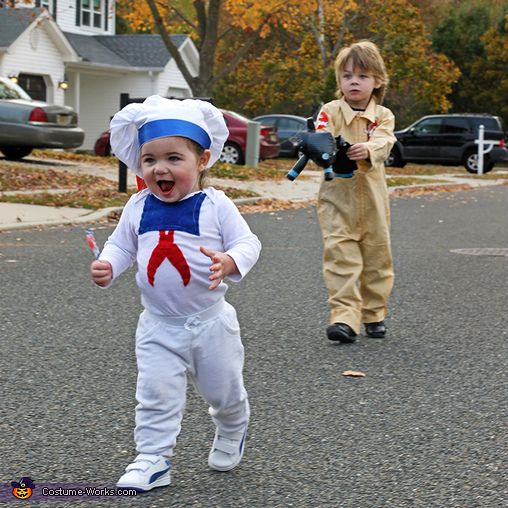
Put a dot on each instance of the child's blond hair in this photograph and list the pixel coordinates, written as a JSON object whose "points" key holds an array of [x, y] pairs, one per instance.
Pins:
{"points": [[366, 56]]}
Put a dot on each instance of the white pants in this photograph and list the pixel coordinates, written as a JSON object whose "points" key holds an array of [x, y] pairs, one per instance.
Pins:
{"points": [[205, 345]]}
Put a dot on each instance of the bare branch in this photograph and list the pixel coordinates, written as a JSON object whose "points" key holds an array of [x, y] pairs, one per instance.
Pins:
{"points": [[238, 56], [173, 50], [340, 36], [245, 48], [182, 16], [199, 6], [319, 40]]}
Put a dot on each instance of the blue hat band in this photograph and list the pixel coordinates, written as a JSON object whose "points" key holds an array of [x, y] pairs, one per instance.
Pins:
{"points": [[173, 127]]}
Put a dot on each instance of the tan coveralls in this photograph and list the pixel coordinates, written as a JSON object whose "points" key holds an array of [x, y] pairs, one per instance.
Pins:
{"points": [[354, 216]]}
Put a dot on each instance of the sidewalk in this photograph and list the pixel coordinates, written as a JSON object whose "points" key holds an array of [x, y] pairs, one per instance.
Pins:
{"points": [[17, 216]]}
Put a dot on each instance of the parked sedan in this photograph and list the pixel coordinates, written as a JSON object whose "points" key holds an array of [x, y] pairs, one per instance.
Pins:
{"points": [[235, 146], [26, 124], [289, 127]]}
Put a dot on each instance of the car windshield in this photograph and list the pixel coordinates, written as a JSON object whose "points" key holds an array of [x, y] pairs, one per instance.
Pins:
{"points": [[9, 90]]}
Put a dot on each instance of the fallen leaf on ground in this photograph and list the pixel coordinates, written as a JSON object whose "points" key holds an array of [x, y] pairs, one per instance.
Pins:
{"points": [[353, 373], [273, 205]]}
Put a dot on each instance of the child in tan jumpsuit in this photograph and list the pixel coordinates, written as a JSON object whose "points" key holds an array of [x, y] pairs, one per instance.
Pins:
{"points": [[354, 213]]}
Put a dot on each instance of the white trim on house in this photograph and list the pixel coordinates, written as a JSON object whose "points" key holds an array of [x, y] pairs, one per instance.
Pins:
{"points": [[190, 53], [114, 68]]}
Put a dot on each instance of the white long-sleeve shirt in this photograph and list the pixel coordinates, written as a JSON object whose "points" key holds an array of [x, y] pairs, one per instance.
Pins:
{"points": [[149, 228]]}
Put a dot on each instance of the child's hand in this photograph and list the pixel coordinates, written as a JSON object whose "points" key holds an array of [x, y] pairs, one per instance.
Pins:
{"points": [[358, 152], [222, 266], [101, 272]]}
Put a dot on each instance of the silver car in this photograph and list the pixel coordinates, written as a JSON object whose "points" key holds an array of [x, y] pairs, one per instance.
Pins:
{"points": [[26, 124]]}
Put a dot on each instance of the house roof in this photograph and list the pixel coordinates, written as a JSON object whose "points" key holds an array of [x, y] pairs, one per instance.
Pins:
{"points": [[137, 50], [13, 22]]}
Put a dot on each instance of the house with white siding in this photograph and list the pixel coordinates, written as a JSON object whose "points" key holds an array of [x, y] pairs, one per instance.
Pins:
{"points": [[66, 52]]}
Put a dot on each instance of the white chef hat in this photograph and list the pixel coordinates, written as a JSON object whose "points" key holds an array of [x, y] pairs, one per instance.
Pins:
{"points": [[158, 117]]}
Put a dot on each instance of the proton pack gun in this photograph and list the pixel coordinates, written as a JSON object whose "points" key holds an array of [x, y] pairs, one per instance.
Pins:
{"points": [[326, 151]]}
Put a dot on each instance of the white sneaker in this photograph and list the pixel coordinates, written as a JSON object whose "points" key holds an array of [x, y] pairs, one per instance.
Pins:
{"points": [[227, 449], [146, 472]]}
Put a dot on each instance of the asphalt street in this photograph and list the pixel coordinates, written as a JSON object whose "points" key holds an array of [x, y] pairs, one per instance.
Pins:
{"points": [[425, 427]]}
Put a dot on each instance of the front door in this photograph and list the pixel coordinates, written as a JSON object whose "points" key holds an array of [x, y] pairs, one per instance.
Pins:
{"points": [[421, 142]]}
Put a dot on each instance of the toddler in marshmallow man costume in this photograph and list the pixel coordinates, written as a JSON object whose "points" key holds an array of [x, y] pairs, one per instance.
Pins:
{"points": [[185, 239]]}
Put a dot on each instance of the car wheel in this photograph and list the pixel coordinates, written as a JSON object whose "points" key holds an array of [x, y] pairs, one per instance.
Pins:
{"points": [[471, 163], [232, 154], [15, 153], [394, 160]]}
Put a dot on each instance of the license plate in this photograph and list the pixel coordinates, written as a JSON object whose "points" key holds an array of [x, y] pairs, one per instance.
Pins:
{"points": [[63, 119], [273, 138]]}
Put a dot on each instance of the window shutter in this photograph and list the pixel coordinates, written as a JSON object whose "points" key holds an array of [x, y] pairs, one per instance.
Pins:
{"points": [[106, 12], [78, 12], [37, 3], [54, 10]]}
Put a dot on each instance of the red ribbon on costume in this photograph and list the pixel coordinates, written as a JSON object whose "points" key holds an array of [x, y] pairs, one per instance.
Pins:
{"points": [[167, 249]]}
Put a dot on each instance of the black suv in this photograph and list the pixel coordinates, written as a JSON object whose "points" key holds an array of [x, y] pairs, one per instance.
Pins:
{"points": [[449, 139]]}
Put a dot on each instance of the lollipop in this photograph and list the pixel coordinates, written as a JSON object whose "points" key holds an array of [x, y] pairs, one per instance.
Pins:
{"points": [[90, 238]]}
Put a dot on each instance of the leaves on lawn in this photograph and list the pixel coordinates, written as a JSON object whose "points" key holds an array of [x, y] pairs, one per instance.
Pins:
{"points": [[18, 176], [79, 189]]}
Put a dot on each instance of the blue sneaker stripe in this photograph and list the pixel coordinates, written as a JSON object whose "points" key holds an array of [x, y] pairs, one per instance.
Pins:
{"points": [[242, 441], [157, 475]]}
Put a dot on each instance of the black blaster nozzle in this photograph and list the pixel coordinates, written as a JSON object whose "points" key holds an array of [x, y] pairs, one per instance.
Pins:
{"points": [[297, 168]]}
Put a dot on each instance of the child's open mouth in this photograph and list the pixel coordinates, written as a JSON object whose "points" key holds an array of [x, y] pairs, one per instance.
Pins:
{"points": [[165, 186]]}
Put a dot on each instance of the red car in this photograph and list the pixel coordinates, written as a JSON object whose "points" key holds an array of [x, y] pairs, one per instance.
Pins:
{"points": [[235, 146]]}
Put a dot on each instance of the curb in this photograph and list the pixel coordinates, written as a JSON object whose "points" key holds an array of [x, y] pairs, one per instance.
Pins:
{"points": [[92, 216]]}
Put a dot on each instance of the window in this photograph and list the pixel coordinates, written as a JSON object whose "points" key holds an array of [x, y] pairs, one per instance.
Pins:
{"points": [[92, 13], [34, 85], [489, 123], [267, 121], [428, 126], [9, 90], [292, 125], [453, 125]]}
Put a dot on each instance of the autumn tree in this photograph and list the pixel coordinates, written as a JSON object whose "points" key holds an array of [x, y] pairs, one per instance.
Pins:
{"points": [[490, 74], [420, 78], [473, 35], [292, 61], [298, 63], [209, 23], [277, 55]]}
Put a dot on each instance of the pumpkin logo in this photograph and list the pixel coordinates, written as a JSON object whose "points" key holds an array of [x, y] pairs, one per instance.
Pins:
{"points": [[23, 489]]}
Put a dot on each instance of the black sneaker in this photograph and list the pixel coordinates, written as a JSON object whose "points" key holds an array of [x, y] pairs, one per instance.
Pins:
{"points": [[341, 332], [375, 330]]}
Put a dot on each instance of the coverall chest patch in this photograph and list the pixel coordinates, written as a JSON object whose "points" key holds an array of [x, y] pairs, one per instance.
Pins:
{"points": [[168, 218]]}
